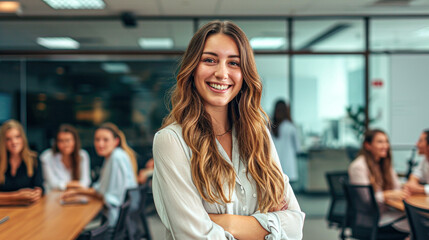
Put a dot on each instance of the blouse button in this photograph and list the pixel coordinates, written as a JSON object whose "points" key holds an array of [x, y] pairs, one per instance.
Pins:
{"points": [[244, 208], [254, 195], [242, 191]]}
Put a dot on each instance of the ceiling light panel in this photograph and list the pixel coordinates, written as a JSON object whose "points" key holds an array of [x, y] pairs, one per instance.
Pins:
{"points": [[58, 42], [156, 43], [76, 4], [267, 42]]}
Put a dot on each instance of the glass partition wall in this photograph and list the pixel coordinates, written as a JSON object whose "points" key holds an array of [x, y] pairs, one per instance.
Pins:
{"points": [[337, 74]]}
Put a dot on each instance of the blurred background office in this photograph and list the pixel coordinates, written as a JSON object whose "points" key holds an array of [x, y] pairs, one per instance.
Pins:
{"points": [[343, 65]]}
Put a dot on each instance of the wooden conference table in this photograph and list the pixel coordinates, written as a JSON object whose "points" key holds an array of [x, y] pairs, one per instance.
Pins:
{"points": [[47, 219], [421, 201]]}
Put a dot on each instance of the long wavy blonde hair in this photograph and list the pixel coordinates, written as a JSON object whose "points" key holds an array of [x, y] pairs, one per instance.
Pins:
{"points": [[29, 157], [381, 175], [117, 133], [210, 172]]}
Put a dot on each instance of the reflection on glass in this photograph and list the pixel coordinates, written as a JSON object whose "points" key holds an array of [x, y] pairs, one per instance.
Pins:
{"points": [[324, 88], [273, 71], [9, 90], [130, 94], [399, 34], [328, 35]]}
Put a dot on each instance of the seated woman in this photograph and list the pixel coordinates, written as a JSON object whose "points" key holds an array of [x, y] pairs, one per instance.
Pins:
{"points": [[118, 172], [66, 165], [374, 166], [146, 172], [20, 173]]}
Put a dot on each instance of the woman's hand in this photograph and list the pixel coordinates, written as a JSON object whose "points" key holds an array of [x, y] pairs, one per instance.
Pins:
{"points": [[396, 194], [283, 206], [69, 194], [28, 195], [73, 184]]}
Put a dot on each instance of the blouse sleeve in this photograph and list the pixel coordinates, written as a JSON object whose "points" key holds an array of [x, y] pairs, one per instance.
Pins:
{"points": [[177, 200], [51, 181], [286, 224], [112, 181], [85, 173]]}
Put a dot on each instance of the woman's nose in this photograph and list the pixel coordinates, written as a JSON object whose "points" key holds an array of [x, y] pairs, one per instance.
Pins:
{"points": [[221, 72]]}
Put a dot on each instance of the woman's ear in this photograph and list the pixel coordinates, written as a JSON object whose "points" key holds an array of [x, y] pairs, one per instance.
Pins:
{"points": [[117, 141], [367, 146]]}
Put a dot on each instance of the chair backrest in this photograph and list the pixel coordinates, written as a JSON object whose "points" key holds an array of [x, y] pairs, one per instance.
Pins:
{"points": [[133, 222], [100, 233], [120, 229], [145, 192], [338, 208], [364, 212], [419, 221]]}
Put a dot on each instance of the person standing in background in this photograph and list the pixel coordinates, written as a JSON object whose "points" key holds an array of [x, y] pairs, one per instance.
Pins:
{"points": [[66, 165], [21, 180], [285, 139]]}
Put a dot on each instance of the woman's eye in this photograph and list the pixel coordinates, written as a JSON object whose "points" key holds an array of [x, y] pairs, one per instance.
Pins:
{"points": [[208, 60], [235, 63]]}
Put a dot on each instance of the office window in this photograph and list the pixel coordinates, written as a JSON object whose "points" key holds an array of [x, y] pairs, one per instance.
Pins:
{"points": [[10, 87], [328, 35], [264, 35], [325, 87], [273, 70], [399, 34], [86, 93]]}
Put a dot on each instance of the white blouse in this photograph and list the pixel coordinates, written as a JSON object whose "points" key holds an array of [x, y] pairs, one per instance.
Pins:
{"points": [[183, 211], [55, 173]]}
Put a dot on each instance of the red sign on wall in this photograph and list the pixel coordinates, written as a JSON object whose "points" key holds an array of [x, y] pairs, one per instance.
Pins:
{"points": [[377, 83]]}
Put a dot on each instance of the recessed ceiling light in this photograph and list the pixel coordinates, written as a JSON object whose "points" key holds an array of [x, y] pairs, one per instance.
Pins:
{"points": [[156, 43], [115, 67], [58, 42], [267, 42], [76, 4], [9, 7]]}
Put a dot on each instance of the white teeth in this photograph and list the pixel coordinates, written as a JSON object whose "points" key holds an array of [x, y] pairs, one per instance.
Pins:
{"points": [[219, 87]]}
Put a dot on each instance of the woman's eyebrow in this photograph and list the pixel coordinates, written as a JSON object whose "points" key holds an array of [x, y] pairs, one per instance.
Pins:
{"points": [[214, 54]]}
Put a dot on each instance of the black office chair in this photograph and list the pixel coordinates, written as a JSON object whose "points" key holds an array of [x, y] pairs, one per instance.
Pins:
{"points": [[364, 214], [419, 221], [99, 233], [120, 231], [146, 197], [338, 208]]}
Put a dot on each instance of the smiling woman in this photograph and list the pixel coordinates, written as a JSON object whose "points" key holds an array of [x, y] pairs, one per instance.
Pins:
{"points": [[217, 174], [20, 172]]}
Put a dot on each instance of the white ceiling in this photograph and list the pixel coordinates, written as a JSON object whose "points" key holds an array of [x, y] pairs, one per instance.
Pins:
{"points": [[238, 7], [110, 34]]}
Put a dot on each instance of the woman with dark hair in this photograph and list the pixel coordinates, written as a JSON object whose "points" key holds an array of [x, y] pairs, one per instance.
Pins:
{"points": [[118, 172], [66, 165], [373, 166], [286, 140], [20, 172], [217, 173]]}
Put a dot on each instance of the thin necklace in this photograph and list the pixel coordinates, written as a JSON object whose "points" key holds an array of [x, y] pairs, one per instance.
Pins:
{"points": [[227, 131]]}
